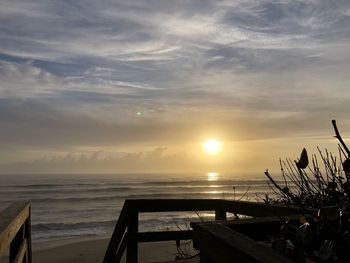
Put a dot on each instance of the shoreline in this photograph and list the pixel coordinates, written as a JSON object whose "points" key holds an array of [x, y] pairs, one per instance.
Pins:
{"points": [[38, 246], [92, 250]]}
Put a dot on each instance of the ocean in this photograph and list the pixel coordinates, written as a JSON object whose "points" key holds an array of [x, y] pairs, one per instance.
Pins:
{"points": [[67, 206]]}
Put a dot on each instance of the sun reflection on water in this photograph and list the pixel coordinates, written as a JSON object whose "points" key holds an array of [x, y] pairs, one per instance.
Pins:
{"points": [[213, 176]]}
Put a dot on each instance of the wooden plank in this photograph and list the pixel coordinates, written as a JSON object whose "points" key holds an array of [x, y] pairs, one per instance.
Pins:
{"points": [[255, 228], [257, 209], [16, 243], [21, 252], [132, 207], [259, 228], [11, 220], [28, 236], [176, 205], [132, 245], [121, 249], [224, 245], [164, 236], [238, 207], [220, 214], [213, 252], [117, 235], [248, 221]]}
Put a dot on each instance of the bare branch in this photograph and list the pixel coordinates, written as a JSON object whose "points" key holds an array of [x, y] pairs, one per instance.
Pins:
{"points": [[338, 136]]}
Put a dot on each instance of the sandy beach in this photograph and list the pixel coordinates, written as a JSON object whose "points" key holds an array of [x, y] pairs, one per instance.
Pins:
{"points": [[87, 250]]}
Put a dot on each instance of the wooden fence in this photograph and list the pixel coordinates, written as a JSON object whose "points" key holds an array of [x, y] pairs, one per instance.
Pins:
{"points": [[126, 235], [15, 233]]}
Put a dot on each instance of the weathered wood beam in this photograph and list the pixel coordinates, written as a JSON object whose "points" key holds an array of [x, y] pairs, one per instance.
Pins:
{"points": [[220, 214], [238, 207], [221, 244], [22, 251], [118, 233], [132, 245], [121, 249], [28, 236], [128, 220], [164, 236], [12, 220]]}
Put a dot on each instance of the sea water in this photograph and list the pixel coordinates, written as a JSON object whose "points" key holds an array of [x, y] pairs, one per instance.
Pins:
{"points": [[66, 206]]}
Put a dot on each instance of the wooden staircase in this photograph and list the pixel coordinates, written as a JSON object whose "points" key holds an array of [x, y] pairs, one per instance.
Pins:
{"points": [[15, 225], [126, 235]]}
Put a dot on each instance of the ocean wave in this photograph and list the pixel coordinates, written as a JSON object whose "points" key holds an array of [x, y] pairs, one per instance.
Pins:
{"points": [[137, 188], [47, 185], [202, 182], [61, 205], [206, 182], [208, 193], [73, 226], [68, 190], [150, 221]]}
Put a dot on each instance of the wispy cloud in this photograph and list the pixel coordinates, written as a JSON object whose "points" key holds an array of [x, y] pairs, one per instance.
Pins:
{"points": [[75, 73]]}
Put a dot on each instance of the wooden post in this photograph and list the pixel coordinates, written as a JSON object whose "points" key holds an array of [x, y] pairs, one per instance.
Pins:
{"points": [[220, 214], [28, 236], [132, 245], [118, 241], [15, 232], [16, 244]]}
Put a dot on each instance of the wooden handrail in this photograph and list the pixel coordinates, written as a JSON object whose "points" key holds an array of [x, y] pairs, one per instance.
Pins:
{"points": [[15, 232], [238, 207], [126, 235], [219, 243], [164, 236], [22, 251], [117, 235], [121, 249]]}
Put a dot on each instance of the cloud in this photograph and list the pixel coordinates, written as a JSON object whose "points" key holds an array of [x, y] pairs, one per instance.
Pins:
{"points": [[24, 80], [153, 161], [74, 74]]}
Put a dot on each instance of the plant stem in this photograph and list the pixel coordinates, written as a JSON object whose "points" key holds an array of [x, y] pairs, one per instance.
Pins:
{"points": [[338, 136]]}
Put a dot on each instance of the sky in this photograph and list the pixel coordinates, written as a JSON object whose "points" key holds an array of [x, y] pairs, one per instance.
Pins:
{"points": [[137, 86]]}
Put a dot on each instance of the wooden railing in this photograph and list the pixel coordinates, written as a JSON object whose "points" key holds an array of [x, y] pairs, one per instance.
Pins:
{"points": [[126, 235], [15, 233], [220, 242]]}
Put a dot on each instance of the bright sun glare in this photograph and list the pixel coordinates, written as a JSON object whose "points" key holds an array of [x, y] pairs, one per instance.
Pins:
{"points": [[212, 146]]}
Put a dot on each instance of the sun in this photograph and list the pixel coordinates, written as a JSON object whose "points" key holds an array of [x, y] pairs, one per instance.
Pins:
{"points": [[212, 146]]}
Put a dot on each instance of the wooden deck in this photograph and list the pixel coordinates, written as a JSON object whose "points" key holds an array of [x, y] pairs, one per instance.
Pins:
{"points": [[225, 242], [126, 235]]}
